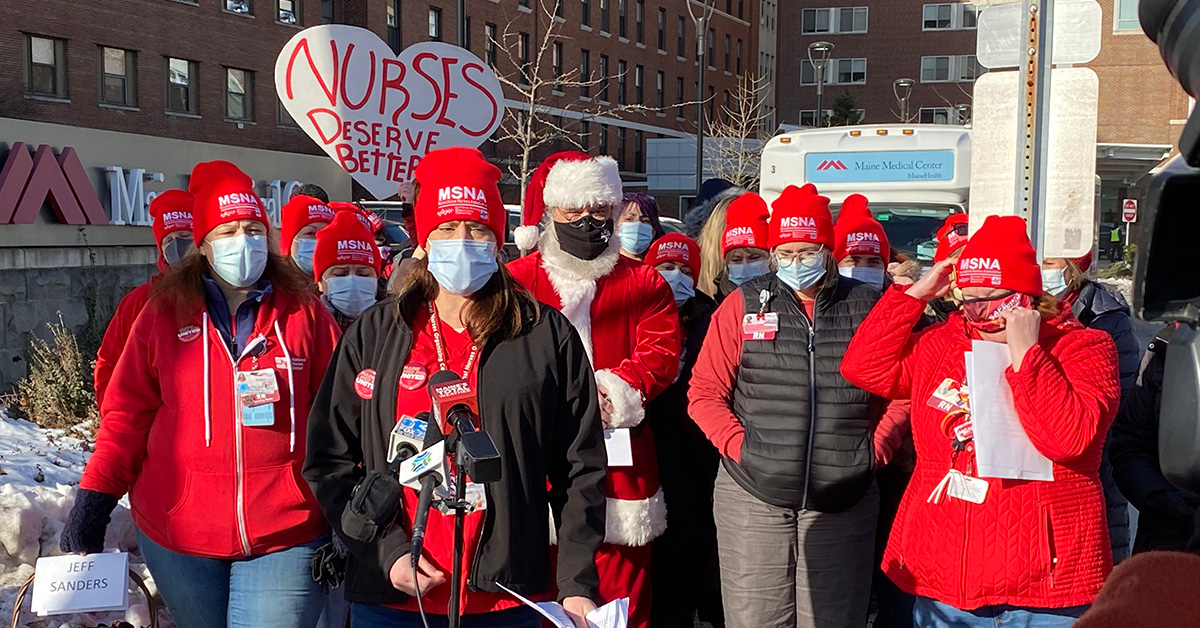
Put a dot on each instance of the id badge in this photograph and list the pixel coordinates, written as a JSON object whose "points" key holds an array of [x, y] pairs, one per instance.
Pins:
{"points": [[760, 326], [257, 392], [949, 397], [967, 488], [258, 416]]}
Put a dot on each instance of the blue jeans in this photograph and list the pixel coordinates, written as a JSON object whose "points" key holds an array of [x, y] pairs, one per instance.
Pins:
{"points": [[271, 591], [370, 616], [930, 613]]}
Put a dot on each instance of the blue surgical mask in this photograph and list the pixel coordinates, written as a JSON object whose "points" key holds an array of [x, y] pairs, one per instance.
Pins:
{"points": [[462, 266], [801, 274], [304, 256], [1054, 281], [873, 276], [682, 286], [740, 273], [240, 260], [175, 251], [635, 236], [351, 295]]}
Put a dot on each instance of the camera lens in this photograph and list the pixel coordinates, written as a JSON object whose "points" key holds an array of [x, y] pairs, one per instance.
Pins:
{"points": [[1175, 26]]}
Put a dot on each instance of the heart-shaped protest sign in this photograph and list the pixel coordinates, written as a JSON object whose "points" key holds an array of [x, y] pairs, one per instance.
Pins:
{"points": [[377, 114]]}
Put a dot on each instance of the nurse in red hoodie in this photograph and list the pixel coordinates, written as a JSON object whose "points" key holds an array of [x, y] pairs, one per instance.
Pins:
{"points": [[203, 425], [1022, 553], [172, 227]]}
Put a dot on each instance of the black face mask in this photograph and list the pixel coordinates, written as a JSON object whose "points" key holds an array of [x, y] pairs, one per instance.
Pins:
{"points": [[586, 238], [176, 250]]}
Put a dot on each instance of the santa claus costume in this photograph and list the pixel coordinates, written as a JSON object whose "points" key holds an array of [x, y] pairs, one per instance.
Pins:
{"points": [[625, 313]]}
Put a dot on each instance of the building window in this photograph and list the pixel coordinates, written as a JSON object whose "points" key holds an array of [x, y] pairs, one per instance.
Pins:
{"points": [[936, 17], [725, 105], [586, 18], [489, 46], [327, 11], [118, 77], [815, 21], [1127, 15], [604, 78], [558, 64], [844, 20], [393, 25], [238, 6], [808, 117], [282, 117], [640, 18], [679, 97], [935, 69], [239, 94], [604, 16], [638, 76], [741, 9], [466, 42], [524, 3], [435, 24], [852, 20], [523, 53], [181, 86], [662, 30], [936, 115], [287, 11], [623, 18], [603, 141], [622, 70], [728, 52], [838, 72], [969, 68], [558, 8], [660, 97], [681, 40], [639, 139], [621, 134], [970, 16], [712, 48], [47, 66], [585, 73], [739, 57], [585, 135]]}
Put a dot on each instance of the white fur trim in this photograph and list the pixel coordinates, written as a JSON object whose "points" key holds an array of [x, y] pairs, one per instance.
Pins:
{"points": [[635, 522], [628, 407], [576, 184], [526, 237], [576, 295]]}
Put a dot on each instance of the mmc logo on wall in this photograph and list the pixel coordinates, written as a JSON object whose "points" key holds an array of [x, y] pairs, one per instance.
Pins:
{"points": [[27, 183]]}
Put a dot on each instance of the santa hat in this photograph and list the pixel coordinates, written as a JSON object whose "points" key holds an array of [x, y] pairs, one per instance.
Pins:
{"points": [[857, 232], [171, 211], [801, 215], [569, 179], [370, 221], [999, 255], [299, 212], [951, 236], [458, 184], [746, 223], [344, 241], [675, 247], [222, 193]]}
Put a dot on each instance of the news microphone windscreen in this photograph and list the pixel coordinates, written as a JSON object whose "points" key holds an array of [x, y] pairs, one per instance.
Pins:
{"points": [[433, 436], [441, 377]]}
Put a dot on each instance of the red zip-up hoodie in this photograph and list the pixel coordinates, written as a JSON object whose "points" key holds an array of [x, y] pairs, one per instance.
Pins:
{"points": [[200, 482], [117, 334]]}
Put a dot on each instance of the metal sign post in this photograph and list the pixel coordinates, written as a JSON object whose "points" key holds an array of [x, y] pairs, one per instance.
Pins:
{"points": [[1035, 112]]}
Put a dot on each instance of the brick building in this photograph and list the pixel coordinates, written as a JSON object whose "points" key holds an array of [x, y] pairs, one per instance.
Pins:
{"points": [[1142, 108]]}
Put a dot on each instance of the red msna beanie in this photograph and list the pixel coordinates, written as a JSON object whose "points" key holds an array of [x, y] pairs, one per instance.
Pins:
{"points": [[171, 211], [222, 194], [858, 233], [746, 223], [999, 255], [296, 214], [370, 221], [951, 236], [675, 247], [458, 184], [344, 241], [801, 215]]}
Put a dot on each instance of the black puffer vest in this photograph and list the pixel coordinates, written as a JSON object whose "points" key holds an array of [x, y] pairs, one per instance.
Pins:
{"points": [[809, 432]]}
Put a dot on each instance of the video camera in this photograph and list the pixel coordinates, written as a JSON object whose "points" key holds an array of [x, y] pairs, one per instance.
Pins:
{"points": [[1165, 289]]}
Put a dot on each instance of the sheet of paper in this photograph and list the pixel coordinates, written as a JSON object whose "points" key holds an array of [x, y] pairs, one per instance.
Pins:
{"points": [[1002, 448], [81, 584], [619, 447], [615, 614], [553, 611]]}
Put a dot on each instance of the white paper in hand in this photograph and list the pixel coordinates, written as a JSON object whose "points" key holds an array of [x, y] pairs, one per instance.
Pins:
{"points": [[615, 614], [81, 584], [553, 611], [619, 447], [1002, 448]]}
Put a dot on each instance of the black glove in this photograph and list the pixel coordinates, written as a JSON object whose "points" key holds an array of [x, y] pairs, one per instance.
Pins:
{"points": [[87, 522]]}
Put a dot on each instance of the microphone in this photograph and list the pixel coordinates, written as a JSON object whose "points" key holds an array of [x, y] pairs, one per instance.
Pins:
{"points": [[424, 472], [453, 398], [408, 437], [456, 404]]}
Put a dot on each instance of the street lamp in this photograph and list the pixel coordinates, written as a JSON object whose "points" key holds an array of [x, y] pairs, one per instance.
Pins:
{"points": [[964, 113], [818, 56], [902, 88]]}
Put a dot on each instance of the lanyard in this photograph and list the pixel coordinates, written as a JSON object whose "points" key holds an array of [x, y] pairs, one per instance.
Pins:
{"points": [[440, 348]]}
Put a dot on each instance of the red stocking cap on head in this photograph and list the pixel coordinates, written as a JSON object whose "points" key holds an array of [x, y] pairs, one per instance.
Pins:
{"points": [[171, 211], [746, 223], [458, 184], [1083, 262], [296, 214], [344, 241], [855, 205], [860, 235], [801, 215], [568, 179], [369, 220], [951, 236], [999, 255], [222, 194], [675, 247]]}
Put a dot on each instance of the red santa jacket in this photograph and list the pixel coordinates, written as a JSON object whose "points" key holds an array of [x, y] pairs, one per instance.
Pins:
{"points": [[200, 482], [1029, 544], [117, 333], [630, 328]]}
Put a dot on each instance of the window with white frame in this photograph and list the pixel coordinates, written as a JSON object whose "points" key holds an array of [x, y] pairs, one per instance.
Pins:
{"points": [[949, 16], [843, 20], [935, 69], [970, 16], [969, 68], [837, 72], [936, 115], [950, 68], [1126, 14], [808, 117]]}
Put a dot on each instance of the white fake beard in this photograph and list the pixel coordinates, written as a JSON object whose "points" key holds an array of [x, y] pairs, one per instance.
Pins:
{"points": [[590, 270]]}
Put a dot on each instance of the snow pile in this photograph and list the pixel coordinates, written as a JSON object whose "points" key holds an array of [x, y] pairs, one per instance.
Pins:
{"points": [[41, 469], [1122, 285]]}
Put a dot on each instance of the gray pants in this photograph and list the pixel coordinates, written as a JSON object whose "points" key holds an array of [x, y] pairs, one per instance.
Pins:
{"points": [[783, 568]]}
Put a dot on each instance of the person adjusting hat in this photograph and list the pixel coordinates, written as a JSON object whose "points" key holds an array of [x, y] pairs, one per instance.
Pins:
{"points": [[796, 478], [346, 268], [743, 243], [1065, 389], [951, 238], [461, 311], [625, 313], [171, 212], [204, 419], [300, 220]]}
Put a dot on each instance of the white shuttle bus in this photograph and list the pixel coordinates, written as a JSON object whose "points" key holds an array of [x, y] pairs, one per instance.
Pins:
{"points": [[914, 175]]}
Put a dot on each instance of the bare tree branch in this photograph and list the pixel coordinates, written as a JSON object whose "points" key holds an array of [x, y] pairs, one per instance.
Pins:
{"points": [[735, 152]]}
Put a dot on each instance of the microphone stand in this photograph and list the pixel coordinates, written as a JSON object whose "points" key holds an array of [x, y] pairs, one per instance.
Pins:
{"points": [[454, 614]]}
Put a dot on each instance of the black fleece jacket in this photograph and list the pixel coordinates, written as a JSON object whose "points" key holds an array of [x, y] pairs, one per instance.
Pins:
{"points": [[537, 400]]}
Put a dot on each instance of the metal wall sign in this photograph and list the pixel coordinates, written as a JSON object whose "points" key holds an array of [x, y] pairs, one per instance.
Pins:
{"points": [[1002, 33]]}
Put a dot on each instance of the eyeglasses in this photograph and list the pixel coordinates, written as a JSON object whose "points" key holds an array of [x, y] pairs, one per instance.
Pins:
{"points": [[788, 257], [599, 212], [1003, 295]]}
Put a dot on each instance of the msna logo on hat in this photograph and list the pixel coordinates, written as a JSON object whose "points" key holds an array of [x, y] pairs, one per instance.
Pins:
{"points": [[862, 242], [176, 220], [979, 270], [239, 205], [355, 251], [798, 227], [675, 248], [466, 201]]}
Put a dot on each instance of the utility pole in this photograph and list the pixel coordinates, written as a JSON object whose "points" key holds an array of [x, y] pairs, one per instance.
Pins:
{"points": [[1033, 136], [702, 65]]}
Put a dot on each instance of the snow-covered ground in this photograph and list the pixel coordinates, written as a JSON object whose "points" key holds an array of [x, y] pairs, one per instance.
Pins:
{"points": [[41, 470]]}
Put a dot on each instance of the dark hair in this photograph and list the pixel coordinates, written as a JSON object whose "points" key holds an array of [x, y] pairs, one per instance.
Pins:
{"points": [[649, 208], [182, 289], [497, 311], [310, 189]]}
